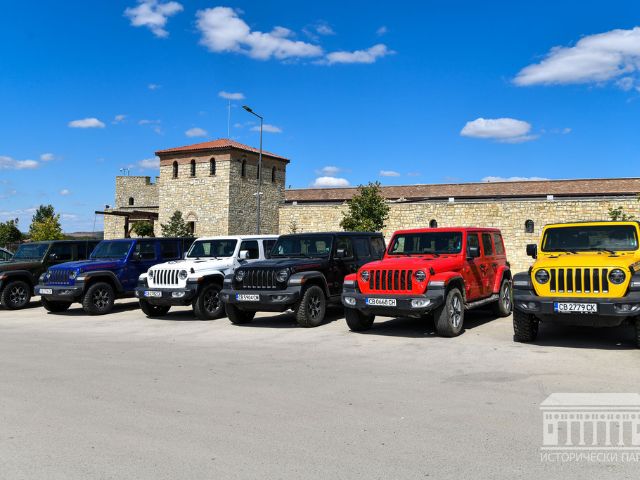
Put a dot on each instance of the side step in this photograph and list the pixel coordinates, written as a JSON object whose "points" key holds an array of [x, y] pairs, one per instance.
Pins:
{"points": [[484, 301]]}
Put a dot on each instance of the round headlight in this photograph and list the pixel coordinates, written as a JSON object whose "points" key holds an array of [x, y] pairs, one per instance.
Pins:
{"points": [[542, 276], [183, 274], [150, 274], [617, 276], [73, 274], [47, 276], [239, 275], [364, 275], [421, 276], [282, 275]]}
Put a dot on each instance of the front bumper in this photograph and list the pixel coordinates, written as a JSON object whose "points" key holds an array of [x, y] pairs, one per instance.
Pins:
{"points": [[266, 300], [64, 293], [167, 296], [408, 305], [611, 311]]}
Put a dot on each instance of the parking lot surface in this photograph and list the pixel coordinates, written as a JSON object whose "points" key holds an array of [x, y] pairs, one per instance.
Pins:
{"points": [[124, 396]]}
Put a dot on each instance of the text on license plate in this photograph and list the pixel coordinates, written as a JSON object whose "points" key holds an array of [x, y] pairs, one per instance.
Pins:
{"points": [[247, 297], [571, 307], [152, 293], [381, 302], [46, 291]]}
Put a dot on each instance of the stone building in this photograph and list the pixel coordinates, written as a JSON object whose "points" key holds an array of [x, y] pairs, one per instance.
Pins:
{"points": [[206, 183]]}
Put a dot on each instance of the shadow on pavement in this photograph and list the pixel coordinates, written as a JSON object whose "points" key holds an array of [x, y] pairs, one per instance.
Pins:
{"points": [[76, 310], [606, 338], [288, 319]]}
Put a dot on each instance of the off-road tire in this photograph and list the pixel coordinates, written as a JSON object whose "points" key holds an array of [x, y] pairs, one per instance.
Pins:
{"points": [[525, 327], [449, 318], [98, 299], [208, 305], [16, 295], [237, 316], [357, 320], [55, 306], [504, 305], [312, 308], [154, 311]]}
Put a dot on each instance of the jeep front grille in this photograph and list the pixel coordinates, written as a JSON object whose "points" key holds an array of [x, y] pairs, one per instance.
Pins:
{"points": [[259, 278], [579, 280], [391, 280], [59, 276], [165, 277]]}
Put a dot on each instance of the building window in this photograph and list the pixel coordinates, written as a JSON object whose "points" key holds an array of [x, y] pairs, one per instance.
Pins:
{"points": [[243, 171], [212, 166], [192, 227], [273, 175], [131, 201], [175, 169], [193, 168], [433, 223], [529, 226]]}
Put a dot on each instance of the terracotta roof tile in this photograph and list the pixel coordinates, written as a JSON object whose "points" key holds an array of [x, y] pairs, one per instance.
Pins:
{"points": [[219, 144]]}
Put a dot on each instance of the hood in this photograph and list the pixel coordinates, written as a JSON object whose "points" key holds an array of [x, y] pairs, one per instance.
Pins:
{"points": [[203, 264], [12, 265], [89, 265], [427, 263], [587, 259], [296, 264]]}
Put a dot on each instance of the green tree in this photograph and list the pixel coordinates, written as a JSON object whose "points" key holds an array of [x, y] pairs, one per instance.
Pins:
{"points": [[143, 229], [43, 212], [367, 211], [176, 227], [9, 232], [618, 214], [47, 229]]}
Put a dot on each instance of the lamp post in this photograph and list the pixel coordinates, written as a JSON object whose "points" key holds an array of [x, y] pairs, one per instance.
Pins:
{"points": [[248, 109]]}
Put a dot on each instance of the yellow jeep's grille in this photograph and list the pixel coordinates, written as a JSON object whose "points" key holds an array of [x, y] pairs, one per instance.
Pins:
{"points": [[580, 282]]}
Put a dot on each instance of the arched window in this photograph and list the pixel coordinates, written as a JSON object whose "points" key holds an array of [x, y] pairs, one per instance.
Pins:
{"points": [[273, 175], [243, 171], [212, 166], [131, 201], [193, 168], [175, 169], [529, 226], [433, 223]]}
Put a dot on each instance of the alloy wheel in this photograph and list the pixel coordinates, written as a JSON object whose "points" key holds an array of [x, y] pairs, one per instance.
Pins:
{"points": [[18, 295], [455, 315], [314, 307], [101, 298], [211, 301], [506, 298]]}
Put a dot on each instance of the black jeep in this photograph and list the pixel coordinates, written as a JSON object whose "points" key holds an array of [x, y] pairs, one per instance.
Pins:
{"points": [[19, 275], [305, 273]]}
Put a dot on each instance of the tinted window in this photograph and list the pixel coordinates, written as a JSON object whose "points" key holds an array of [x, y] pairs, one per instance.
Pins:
{"points": [[63, 251], [487, 245], [594, 237], [31, 251], [268, 246], [146, 250], [109, 249], [344, 243], [378, 247], [302, 246], [169, 250], [472, 241], [497, 241], [426, 243], [361, 246], [250, 246], [212, 248]]}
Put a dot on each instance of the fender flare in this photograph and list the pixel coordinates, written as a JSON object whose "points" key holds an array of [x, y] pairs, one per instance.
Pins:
{"points": [[97, 274], [214, 275], [442, 280], [19, 273], [501, 273], [299, 279]]}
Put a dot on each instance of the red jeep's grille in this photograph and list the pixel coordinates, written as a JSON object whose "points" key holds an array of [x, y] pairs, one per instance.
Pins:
{"points": [[391, 280]]}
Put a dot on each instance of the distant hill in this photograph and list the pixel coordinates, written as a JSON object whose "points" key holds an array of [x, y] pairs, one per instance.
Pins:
{"points": [[91, 235]]}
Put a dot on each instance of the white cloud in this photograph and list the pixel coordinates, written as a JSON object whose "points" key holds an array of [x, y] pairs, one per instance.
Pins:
{"points": [[64, 192], [119, 118], [153, 14], [413, 174], [149, 163], [330, 182], [231, 96], [388, 173], [382, 30], [504, 130], [196, 132], [599, 58], [223, 30], [329, 171], [512, 179], [566, 130], [153, 86], [47, 157], [8, 163], [324, 29], [149, 122], [267, 128], [86, 123], [358, 56]]}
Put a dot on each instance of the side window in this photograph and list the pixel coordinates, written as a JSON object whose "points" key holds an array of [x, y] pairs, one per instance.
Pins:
{"points": [[345, 244], [146, 250], [361, 246], [169, 250], [487, 244], [63, 252], [497, 241], [268, 246], [472, 241], [252, 247], [377, 247]]}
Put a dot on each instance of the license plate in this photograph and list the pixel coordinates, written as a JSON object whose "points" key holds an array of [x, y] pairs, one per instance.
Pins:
{"points": [[247, 297], [46, 291], [572, 307], [152, 293], [381, 302]]}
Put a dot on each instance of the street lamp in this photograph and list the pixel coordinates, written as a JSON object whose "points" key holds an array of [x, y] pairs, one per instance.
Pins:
{"points": [[248, 109], [124, 171]]}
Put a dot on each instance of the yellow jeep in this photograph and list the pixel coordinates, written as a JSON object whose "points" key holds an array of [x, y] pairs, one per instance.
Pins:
{"points": [[585, 273]]}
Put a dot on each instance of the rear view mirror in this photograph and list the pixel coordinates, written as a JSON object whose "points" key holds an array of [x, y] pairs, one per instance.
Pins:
{"points": [[532, 250], [243, 255], [473, 252]]}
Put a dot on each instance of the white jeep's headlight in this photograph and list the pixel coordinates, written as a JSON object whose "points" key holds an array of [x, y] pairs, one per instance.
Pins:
{"points": [[150, 274], [239, 275], [183, 274], [364, 275], [282, 275], [617, 276]]}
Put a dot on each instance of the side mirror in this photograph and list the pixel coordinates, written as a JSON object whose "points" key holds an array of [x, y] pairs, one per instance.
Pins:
{"points": [[532, 250], [136, 257], [341, 253], [53, 256], [243, 255], [473, 252]]}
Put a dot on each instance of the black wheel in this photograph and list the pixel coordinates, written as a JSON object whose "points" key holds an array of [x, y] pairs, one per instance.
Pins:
{"points": [[237, 316], [312, 307], [208, 305], [525, 327], [504, 305], [154, 310], [98, 299], [16, 295], [55, 306], [449, 318], [637, 327], [358, 321]]}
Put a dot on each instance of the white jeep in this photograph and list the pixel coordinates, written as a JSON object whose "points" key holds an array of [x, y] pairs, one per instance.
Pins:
{"points": [[197, 280]]}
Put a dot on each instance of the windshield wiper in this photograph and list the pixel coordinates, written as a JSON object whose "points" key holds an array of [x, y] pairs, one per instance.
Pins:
{"points": [[565, 250], [602, 249]]}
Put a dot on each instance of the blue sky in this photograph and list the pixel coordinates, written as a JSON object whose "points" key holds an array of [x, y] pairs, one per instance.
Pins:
{"points": [[402, 92]]}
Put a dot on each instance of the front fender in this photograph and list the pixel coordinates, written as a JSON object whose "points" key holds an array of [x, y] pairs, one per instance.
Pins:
{"points": [[85, 278], [212, 275], [25, 274], [501, 273], [443, 279], [300, 278]]}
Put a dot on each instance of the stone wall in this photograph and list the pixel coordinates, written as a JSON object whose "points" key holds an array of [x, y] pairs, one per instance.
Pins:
{"points": [[143, 192], [509, 216]]}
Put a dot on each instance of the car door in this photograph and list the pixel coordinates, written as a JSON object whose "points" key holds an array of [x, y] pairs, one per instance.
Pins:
{"points": [[267, 246], [488, 265], [341, 266], [472, 272], [250, 246], [362, 251], [144, 256]]}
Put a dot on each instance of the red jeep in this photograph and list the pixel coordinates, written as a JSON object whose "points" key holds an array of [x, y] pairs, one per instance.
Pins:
{"points": [[439, 271]]}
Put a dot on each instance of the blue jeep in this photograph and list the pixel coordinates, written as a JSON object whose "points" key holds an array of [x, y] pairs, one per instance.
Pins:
{"points": [[111, 272]]}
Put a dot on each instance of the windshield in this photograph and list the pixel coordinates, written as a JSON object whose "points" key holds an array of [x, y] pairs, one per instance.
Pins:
{"points": [[31, 251], [212, 248], [427, 243], [111, 250], [303, 246], [595, 238]]}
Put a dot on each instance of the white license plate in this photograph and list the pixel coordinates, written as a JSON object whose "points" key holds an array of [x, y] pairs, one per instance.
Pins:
{"points": [[152, 293], [381, 302], [247, 297], [573, 307], [46, 291]]}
